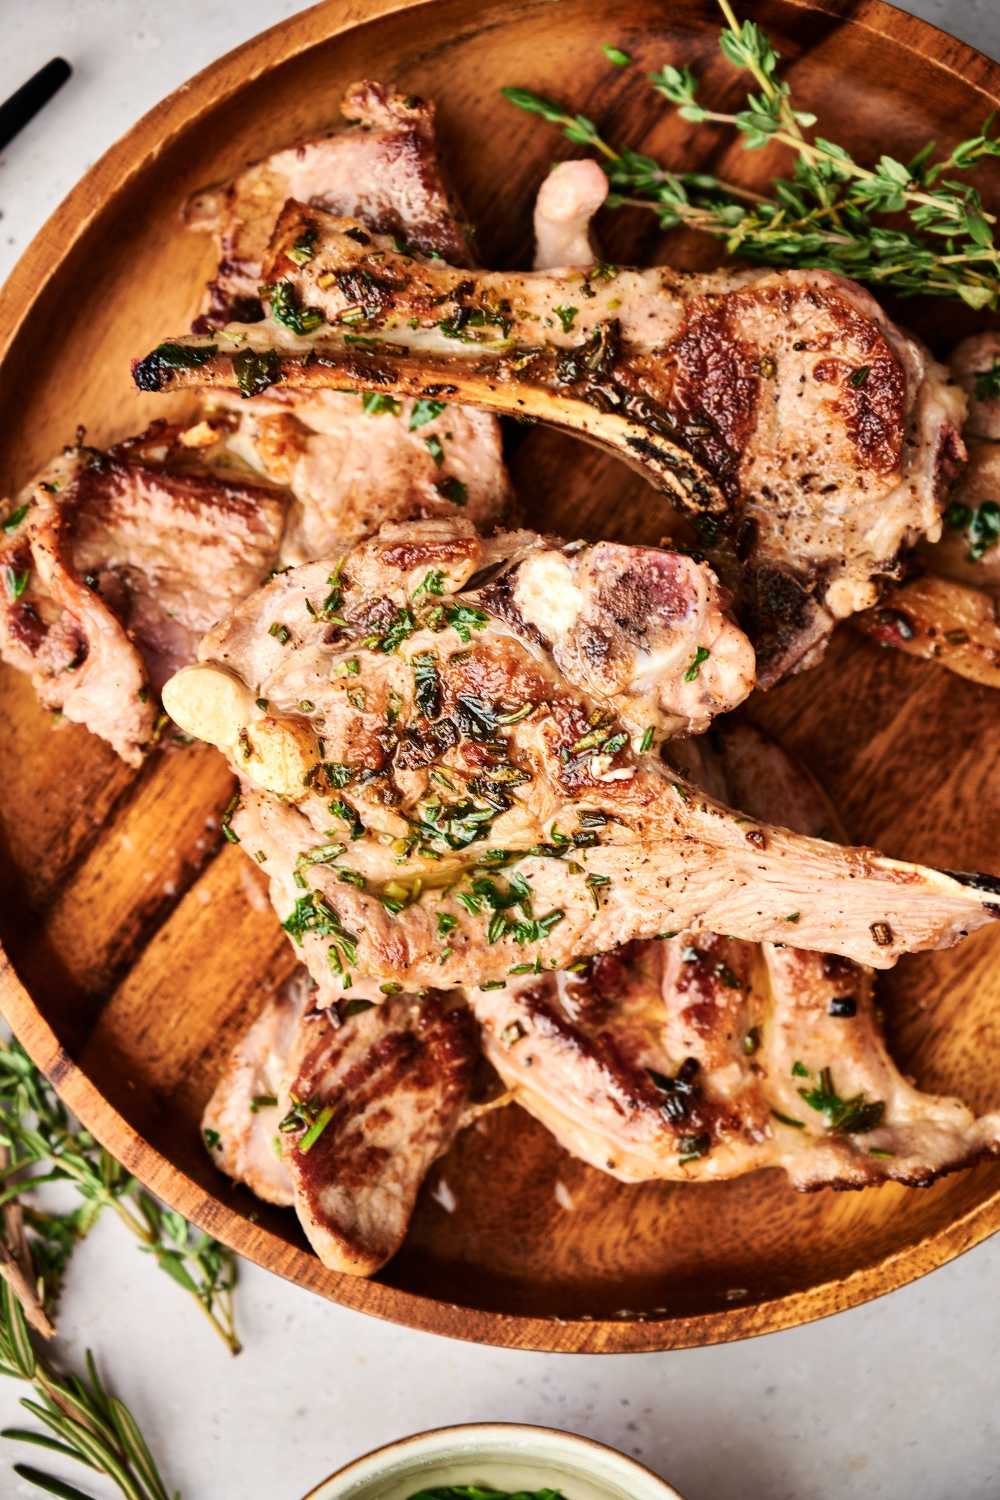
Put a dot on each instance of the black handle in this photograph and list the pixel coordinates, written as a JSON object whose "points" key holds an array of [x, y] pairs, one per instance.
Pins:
{"points": [[31, 97]]}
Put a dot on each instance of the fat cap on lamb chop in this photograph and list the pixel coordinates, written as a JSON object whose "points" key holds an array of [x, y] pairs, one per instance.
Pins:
{"points": [[406, 742], [804, 435]]}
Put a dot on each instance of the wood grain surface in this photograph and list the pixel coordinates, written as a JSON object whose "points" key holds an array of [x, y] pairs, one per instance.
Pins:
{"points": [[137, 943]]}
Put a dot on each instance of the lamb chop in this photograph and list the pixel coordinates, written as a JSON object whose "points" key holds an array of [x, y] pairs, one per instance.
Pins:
{"points": [[349, 473], [113, 571], [806, 438], [354, 462], [358, 1109], [947, 609], [384, 167], [403, 738], [701, 1057]]}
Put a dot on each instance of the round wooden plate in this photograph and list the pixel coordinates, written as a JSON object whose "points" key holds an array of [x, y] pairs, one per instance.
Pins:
{"points": [[139, 944]]}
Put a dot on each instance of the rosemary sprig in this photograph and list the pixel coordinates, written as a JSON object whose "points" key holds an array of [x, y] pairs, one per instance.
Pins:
{"points": [[36, 1130], [87, 1424], [825, 216]]}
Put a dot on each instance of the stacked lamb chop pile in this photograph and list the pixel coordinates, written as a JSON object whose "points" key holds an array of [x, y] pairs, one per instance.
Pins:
{"points": [[473, 761]]}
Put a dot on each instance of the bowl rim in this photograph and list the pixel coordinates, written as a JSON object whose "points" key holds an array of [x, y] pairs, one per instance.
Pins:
{"points": [[436, 1438], [179, 113]]}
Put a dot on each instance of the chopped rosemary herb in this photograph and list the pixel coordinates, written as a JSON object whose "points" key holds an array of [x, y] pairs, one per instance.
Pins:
{"points": [[702, 654], [16, 582], [856, 1116], [14, 520]]}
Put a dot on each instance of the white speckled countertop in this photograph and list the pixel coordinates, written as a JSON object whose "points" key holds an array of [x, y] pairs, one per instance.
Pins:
{"points": [[894, 1399]]}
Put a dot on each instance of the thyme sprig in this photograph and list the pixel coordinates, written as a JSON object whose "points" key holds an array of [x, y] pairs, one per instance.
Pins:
{"points": [[86, 1423], [825, 215], [36, 1130]]}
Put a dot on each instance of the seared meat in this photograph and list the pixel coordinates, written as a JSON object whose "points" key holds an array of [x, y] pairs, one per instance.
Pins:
{"points": [[807, 438], [433, 738], [383, 167], [241, 1120], [350, 472], [975, 364], [702, 1057], [385, 1087], [968, 552], [114, 570], [355, 462], [395, 1080], [951, 613]]}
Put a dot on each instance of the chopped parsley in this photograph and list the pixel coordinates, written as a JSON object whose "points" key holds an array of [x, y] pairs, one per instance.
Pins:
{"points": [[341, 809], [213, 1140], [431, 583], [423, 412], [452, 489], [427, 684], [982, 526], [378, 404], [566, 316], [434, 448], [184, 356], [285, 310], [302, 250], [255, 372], [988, 382], [463, 619]]}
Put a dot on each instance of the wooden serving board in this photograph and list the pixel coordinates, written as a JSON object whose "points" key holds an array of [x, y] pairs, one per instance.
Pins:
{"points": [[137, 943]]}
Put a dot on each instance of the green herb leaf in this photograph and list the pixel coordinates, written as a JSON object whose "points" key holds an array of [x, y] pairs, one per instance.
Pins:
{"points": [[702, 654], [14, 520], [256, 372], [423, 412], [616, 55], [452, 489]]}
